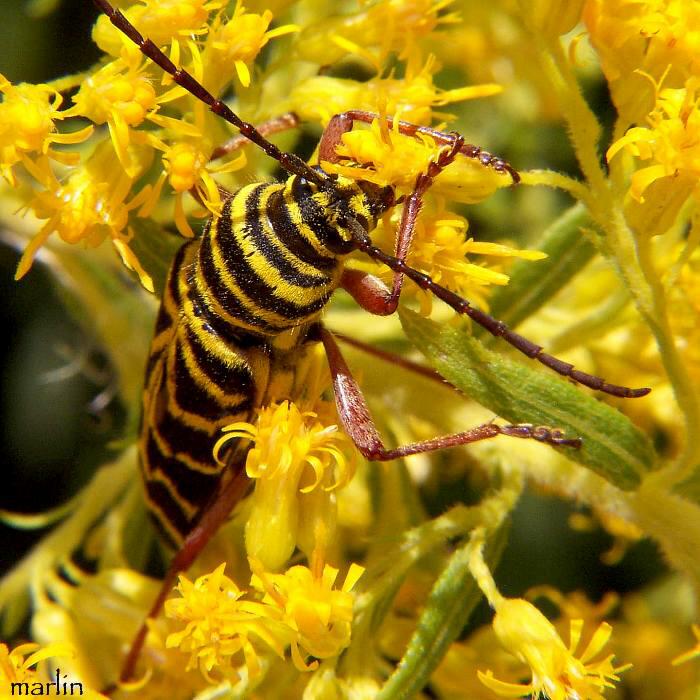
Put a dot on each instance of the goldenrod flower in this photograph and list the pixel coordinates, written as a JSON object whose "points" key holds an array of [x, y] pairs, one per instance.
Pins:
{"points": [[293, 456], [233, 45], [27, 116], [88, 207], [672, 140], [19, 675], [625, 30], [396, 159], [374, 33], [297, 631], [527, 634], [319, 615], [440, 249], [162, 21], [121, 95], [636, 38], [399, 24], [16, 665], [188, 168], [556, 670], [220, 624], [410, 98]]}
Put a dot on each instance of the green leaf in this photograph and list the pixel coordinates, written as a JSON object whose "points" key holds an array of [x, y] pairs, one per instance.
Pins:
{"points": [[523, 393], [448, 608], [533, 283], [155, 249]]}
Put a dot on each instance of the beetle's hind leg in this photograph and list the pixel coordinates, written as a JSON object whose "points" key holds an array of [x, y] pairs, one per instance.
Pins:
{"points": [[214, 515], [358, 423]]}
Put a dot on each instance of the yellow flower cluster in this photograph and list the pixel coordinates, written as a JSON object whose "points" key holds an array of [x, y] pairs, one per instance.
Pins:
{"points": [[124, 95], [649, 52], [297, 609], [148, 121], [441, 249]]}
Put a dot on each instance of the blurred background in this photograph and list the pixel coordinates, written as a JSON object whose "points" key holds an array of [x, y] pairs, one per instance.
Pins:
{"points": [[56, 419]]}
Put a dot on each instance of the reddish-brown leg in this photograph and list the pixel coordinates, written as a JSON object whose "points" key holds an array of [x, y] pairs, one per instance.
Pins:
{"points": [[213, 517], [492, 325], [342, 123], [358, 424], [395, 359], [369, 293], [283, 122], [366, 289]]}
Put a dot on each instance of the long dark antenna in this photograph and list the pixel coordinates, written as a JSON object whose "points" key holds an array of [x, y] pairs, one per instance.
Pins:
{"points": [[491, 324], [289, 161]]}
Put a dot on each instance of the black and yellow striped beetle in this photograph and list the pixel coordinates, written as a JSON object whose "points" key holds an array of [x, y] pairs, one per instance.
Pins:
{"points": [[241, 309]]}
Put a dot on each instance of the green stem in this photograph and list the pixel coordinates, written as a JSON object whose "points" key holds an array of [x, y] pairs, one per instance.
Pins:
{"points": [[683, 386], [631, 257], [447, 610], [453, 597], [381, 584]]}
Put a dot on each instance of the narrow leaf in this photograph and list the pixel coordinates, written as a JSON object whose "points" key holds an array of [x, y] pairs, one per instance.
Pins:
{"points": [[521, 392], [449, 607]]}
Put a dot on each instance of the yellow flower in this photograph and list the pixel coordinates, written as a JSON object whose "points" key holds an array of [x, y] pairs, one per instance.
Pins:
{"points": [[121, 95], [374, 33], [17, 677], [14, 667], [556, 670], [27, 116], [672, 140], [632, 37], [88, 207], [399, 24], [187, 166], [233, 45], [410, 98], [319, 615], [220, 624], [162, 21], [296, 460], [441, 250], [397, 160]]}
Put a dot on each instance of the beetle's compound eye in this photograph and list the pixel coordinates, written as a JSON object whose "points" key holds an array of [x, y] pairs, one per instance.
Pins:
{"points": [[301, 187]]}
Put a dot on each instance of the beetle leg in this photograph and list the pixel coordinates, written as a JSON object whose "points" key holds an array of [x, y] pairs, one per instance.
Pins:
{"points": [[213, 517], [276, 125], [358, 423], [342, 123], [357, 285]]}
